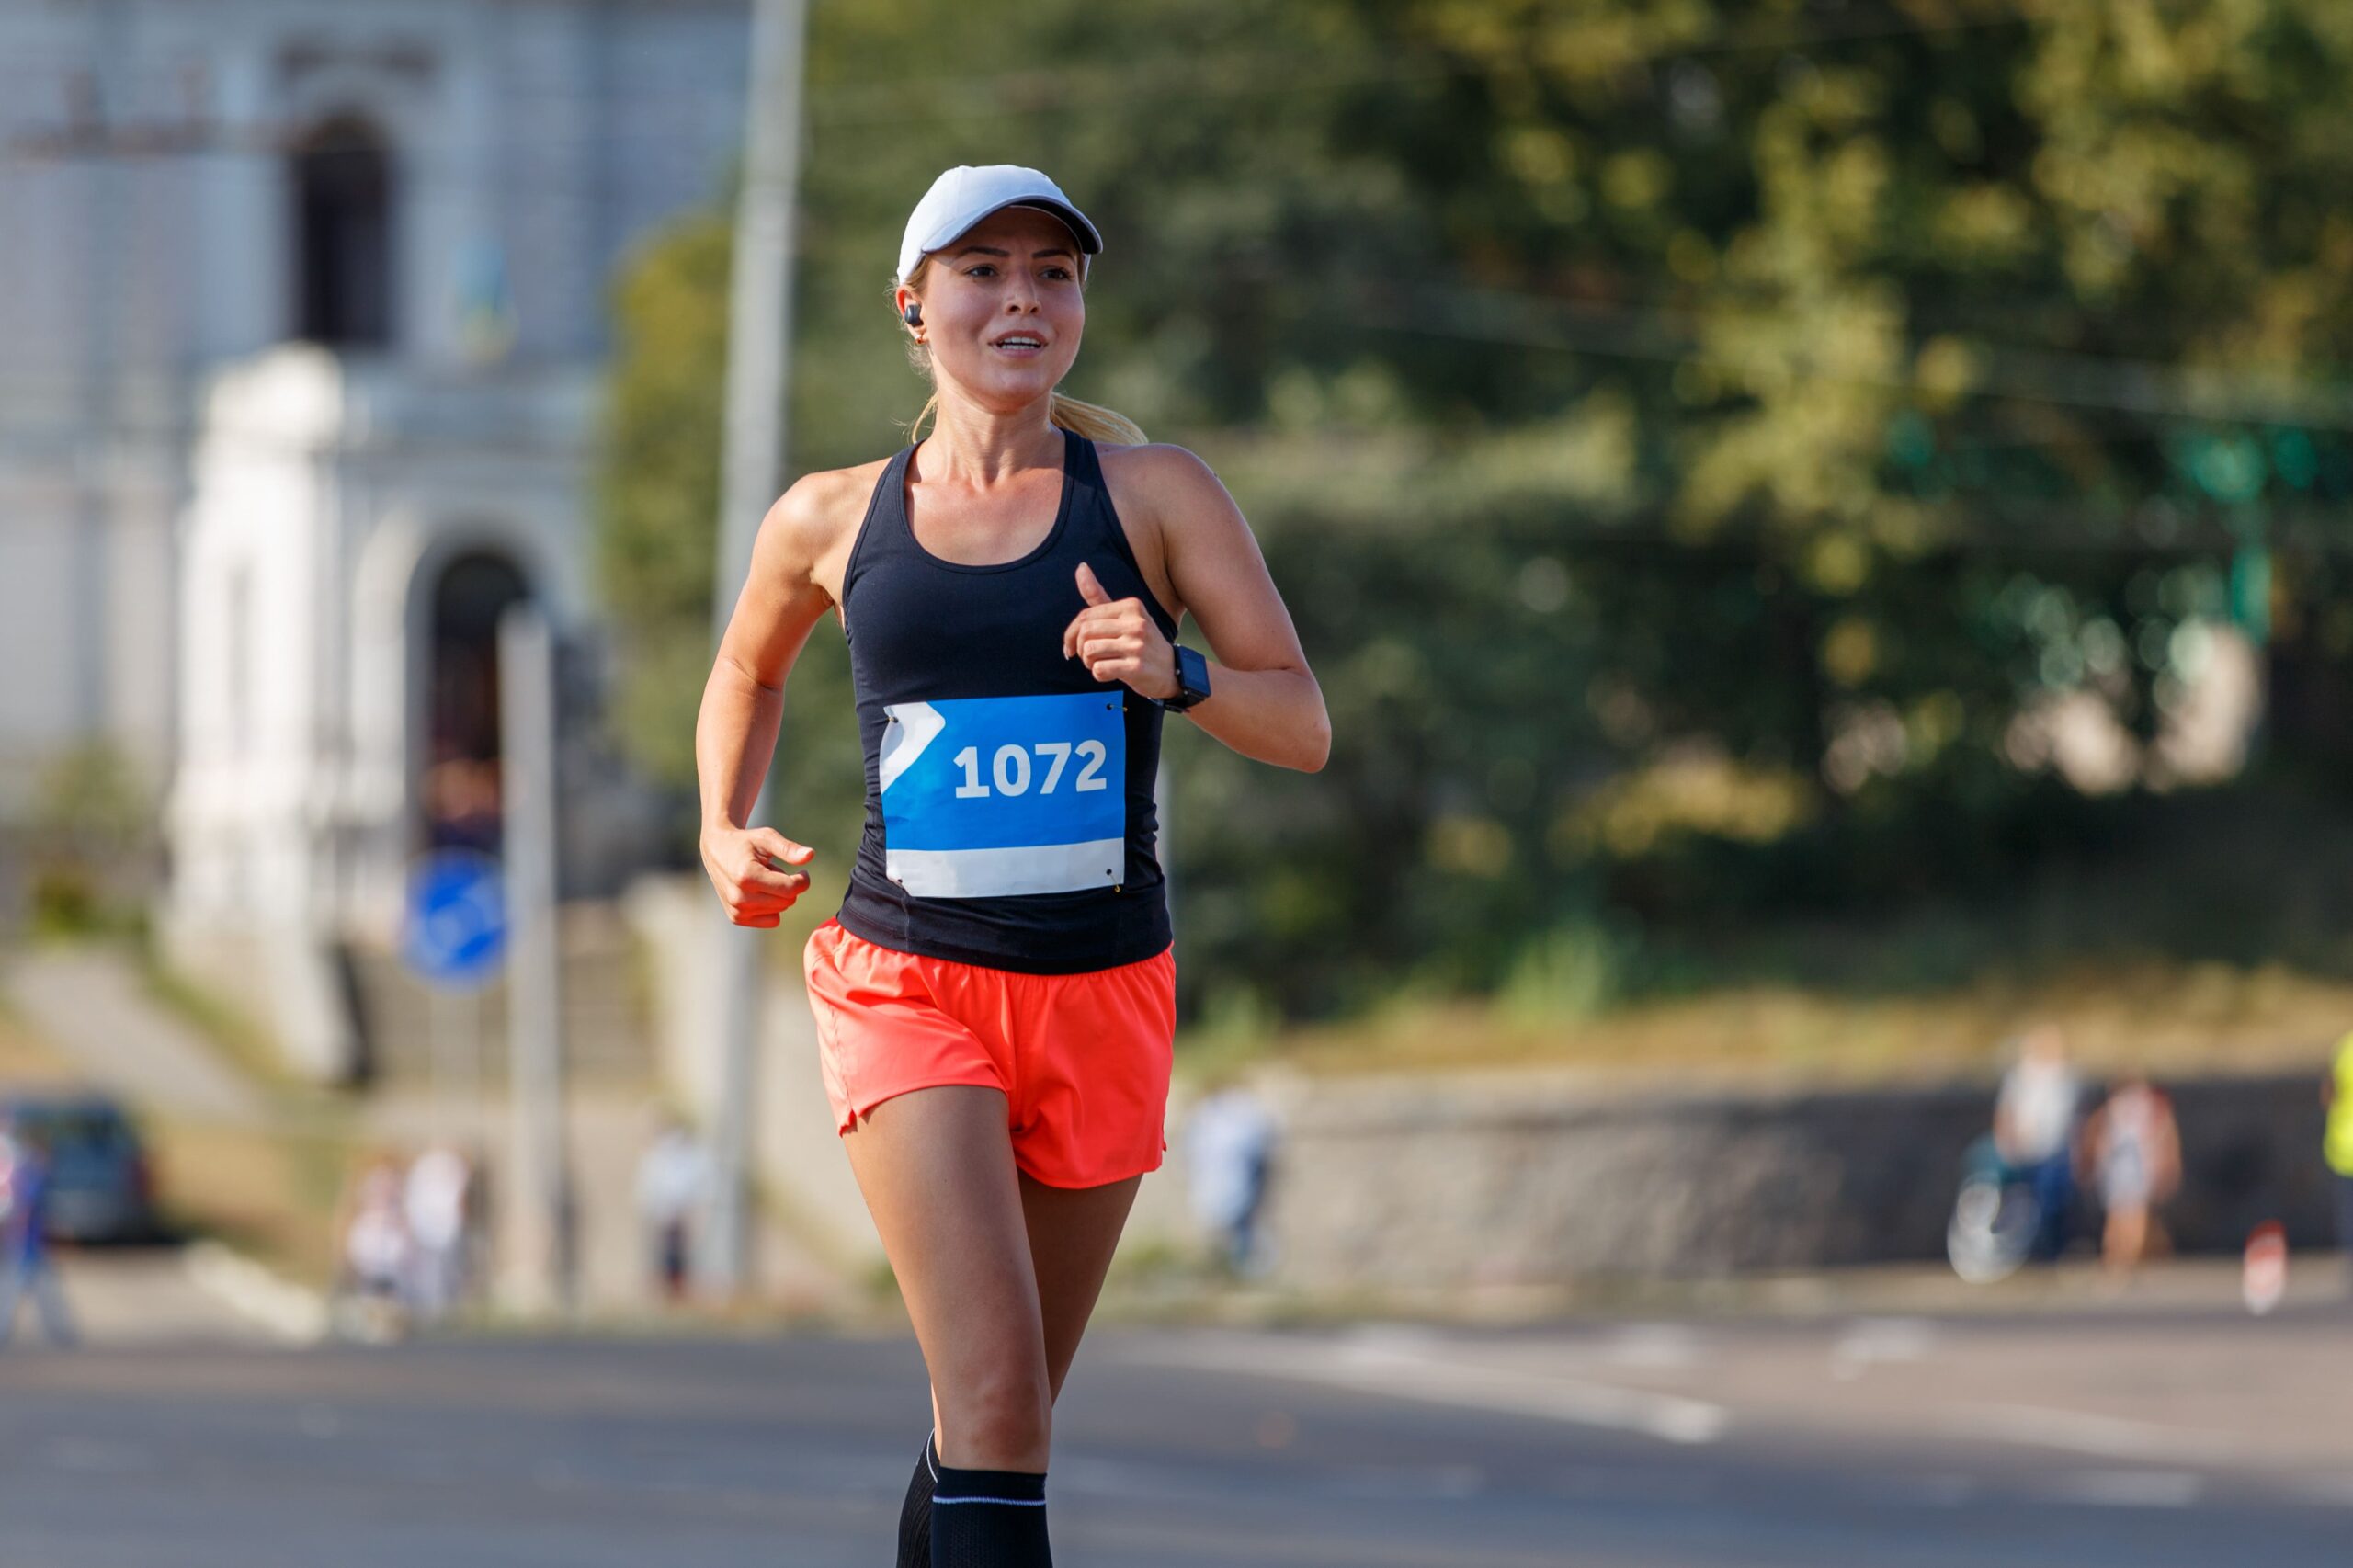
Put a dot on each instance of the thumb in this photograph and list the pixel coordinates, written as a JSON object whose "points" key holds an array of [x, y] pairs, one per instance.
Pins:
{"points": [[1088, 589], [769, 841]]}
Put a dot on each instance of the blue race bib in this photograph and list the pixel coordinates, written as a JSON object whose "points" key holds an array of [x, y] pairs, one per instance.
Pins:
{"points": [[984, 797]]}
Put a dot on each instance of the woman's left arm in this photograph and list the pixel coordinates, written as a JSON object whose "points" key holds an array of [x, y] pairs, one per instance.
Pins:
{"points": [[1263, 701]]}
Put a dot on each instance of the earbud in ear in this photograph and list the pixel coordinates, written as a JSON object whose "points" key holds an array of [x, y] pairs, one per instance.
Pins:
{"points": [[913, 315]]}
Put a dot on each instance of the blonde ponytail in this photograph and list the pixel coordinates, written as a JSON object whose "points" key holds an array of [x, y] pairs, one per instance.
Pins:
{"points": [[1094, 422]]}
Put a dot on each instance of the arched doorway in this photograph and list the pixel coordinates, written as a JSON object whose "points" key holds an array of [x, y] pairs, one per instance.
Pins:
{"points": [[342, 174], [461, 793]]}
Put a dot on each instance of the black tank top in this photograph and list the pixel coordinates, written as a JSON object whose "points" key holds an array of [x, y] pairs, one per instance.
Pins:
{"points": [[1009, 813]]}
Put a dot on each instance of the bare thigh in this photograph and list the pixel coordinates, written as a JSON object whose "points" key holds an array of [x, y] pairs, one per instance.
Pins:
{"points": [[1000, 1271], [936, 1168], [1073, 1232]]}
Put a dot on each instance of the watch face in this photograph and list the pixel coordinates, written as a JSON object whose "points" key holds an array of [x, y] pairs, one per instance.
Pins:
{"points": [[1192, 678]]}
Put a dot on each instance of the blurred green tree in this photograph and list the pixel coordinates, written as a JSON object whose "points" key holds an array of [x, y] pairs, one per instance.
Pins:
{"points": [[1693, 437]]}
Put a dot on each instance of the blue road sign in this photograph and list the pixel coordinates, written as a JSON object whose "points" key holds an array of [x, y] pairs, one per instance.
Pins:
{"points": [[455, 934]]}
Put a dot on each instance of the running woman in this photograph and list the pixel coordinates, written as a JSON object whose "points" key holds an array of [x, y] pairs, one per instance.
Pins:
{"points": [[995, 999]]}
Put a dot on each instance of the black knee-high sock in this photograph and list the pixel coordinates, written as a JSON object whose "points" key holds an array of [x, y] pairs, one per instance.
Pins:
{"points": [[914, 1518], [989, 1519]]}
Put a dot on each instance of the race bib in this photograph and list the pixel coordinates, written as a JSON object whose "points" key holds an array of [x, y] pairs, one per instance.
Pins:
{"points": [[983, 797]]}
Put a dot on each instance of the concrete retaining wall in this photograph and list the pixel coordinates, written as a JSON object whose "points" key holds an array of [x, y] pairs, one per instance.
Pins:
{"points": [[1520, 1179]]}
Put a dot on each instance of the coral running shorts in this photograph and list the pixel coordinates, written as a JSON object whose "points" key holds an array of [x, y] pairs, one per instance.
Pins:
{"points": [[1083, 1060]]}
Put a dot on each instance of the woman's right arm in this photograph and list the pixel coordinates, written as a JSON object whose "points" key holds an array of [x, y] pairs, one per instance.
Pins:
{"points": [[743, 704]]}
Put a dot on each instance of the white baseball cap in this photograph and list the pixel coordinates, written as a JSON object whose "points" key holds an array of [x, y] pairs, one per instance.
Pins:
{"points": [[965, 195]]}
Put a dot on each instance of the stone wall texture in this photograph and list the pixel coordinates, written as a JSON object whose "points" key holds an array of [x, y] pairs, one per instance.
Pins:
{"points": [[1464, 1179]]}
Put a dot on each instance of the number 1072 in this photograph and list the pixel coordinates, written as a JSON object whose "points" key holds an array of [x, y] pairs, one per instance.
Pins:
{"points": [[1010, 768]]}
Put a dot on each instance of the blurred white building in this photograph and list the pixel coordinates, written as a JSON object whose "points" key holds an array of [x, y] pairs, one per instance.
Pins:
{"points": [[302, 317]]}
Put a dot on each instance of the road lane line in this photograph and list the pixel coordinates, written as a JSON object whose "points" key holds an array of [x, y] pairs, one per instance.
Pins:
{"points": [[1658, 1347], [1949, 1489], [88, 1456], [1871, 1342], [2129, 1488], [1403, 1370], [2079, 1432]]}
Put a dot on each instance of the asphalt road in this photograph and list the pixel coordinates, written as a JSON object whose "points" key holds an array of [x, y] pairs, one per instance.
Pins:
{"points": [[2148, 1436]]}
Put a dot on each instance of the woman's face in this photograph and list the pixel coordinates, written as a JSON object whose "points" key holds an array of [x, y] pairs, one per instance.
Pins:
{"points": [[1013, 276]]}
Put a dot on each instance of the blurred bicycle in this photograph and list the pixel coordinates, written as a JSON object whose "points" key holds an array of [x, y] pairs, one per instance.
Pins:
{"points": [[1996, 1216]]}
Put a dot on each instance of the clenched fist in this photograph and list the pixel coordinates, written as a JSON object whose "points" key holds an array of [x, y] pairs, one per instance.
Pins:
{"points": [[1118, 641], [743, 865]]}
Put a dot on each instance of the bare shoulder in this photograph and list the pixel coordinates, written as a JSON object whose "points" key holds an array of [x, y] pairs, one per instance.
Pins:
{"points": [[824, 503], [808, 533], [1170, 494], [1162, 474]]}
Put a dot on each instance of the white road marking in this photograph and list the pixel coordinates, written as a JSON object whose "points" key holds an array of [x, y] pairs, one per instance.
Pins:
{"points": [[2077, 1432], [1880, 1341], [1405, 1365], [1946, 1491], [86, 1455], [1659, 1347], [2129, 1488]]}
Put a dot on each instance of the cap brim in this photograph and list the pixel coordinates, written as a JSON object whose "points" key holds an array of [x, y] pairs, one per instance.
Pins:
{"points": [[1083, 231], [1090, 242]]}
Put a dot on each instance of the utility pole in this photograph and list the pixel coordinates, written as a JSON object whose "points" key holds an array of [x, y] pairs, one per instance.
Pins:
{"points": [[759, 335], [100, 467], [538, 1199]]}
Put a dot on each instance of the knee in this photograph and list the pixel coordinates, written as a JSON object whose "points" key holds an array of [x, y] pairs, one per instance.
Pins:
{"points": [[1002, 1421]]}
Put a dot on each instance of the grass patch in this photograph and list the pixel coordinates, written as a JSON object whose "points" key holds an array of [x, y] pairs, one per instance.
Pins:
{"points": [[270, 1194], [229, 1029], [2162, 1016], [271, 1191]]}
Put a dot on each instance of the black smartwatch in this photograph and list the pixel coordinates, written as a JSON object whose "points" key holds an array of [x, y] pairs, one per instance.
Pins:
{"points": [[1192, 680]]}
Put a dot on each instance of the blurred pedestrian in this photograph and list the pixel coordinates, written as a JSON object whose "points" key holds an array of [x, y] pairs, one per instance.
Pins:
{"points": [[672, 1182], [462, 802], [1229, 1154], [376, 1246], [2034, 1131], [434, 1201], [2336, 1094], [2132, 1149], [25, 1265]]}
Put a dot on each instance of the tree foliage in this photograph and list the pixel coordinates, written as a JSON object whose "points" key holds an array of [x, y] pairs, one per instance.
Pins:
{"points": [[1680, 429]]}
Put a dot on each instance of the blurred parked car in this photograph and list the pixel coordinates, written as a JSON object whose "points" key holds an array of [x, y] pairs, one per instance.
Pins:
{"points": [[101, 1185]]}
